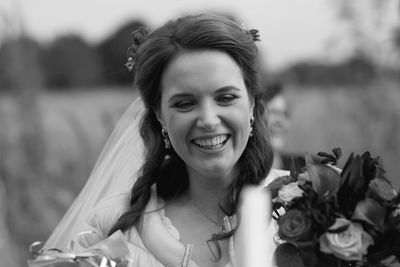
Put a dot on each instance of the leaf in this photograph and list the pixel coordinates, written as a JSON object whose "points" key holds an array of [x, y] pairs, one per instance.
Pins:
{"points": [[337, 152], [379, 173], [286, 255], [330, 158], [346, 168], [355, 175], [294, 168], [349, 192], [324, 179], [326, 155]]}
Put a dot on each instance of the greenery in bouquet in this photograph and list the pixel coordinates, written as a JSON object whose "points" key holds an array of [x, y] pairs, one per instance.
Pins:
{"points": [[332, 217]]}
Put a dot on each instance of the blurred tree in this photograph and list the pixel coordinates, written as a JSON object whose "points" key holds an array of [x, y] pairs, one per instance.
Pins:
{"points": [[113, 54], [357, 69], [70, 62], [361, 49], [365, 27], [19, 64]]}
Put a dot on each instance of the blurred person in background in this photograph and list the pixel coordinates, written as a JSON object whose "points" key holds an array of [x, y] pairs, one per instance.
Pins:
{"points": [[200, 116], [278, 115]]}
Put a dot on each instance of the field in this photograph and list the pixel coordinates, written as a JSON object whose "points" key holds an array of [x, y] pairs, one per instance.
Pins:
{"points": [[50, 141], [48, 144], [357, 119]]}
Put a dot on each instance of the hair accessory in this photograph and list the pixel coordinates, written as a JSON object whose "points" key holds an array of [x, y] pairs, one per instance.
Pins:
{"points": [[255, 34], [137, 37], [167, 143], [251, 126], [130, 64]]}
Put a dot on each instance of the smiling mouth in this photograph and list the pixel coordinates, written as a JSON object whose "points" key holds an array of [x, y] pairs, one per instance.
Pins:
{"points": [[211, 143]]}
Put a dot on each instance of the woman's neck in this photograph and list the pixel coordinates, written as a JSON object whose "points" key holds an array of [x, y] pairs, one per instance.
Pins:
{"points": [[208, 193]]}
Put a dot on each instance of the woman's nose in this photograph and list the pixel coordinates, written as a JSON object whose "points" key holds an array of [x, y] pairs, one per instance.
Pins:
{"points": [[208, 117]]}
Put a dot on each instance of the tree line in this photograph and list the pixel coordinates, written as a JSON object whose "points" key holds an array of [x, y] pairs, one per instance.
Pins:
{"points": [[71, 62], [67, 62]]}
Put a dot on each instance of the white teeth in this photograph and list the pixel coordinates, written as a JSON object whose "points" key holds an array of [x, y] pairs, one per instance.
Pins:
{"points": [[211, 143]]}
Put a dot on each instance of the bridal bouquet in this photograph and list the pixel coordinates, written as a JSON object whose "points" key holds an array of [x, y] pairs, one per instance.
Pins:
{"points": [[331, 217], [56, 258], [111, 252]]}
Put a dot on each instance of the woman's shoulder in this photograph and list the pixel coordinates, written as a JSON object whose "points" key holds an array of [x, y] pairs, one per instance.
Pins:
{"points": [[273, 174], [106, 213]]}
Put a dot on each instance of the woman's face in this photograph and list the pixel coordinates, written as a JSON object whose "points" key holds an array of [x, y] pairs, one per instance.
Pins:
{"points": [[206, 111]]}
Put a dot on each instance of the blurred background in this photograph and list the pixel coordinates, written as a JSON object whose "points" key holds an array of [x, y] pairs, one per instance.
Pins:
{"points": [[63, 86]]}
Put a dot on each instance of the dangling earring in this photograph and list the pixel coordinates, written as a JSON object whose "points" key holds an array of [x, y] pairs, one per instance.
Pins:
{"points": [[167, 143], [251, 126]]}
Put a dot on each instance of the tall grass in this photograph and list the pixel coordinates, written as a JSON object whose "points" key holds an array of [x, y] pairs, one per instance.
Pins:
{"points": [[48, 147], [357, 119]]}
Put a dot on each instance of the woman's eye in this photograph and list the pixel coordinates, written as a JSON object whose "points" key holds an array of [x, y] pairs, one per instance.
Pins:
{"points": [[226, 99], [184, 105]]}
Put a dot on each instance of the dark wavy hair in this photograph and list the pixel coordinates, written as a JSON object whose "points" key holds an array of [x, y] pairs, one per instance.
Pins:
{"points": [[150, 55]]}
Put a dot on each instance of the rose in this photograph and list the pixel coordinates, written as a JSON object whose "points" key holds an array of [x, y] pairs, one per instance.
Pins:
{"points": [[349, 244], [294, 226], [288, 192], [382, 189], [394, 218]]}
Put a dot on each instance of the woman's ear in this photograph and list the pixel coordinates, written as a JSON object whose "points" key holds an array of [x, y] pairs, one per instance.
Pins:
{"points": [[160, 118], [252, 103]]}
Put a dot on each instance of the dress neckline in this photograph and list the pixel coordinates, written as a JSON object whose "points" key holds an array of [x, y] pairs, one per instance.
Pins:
{"points": [[166, 245]]}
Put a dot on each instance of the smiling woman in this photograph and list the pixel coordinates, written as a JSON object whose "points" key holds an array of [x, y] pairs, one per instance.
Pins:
{"points": [[206, 110], [205, 140]]}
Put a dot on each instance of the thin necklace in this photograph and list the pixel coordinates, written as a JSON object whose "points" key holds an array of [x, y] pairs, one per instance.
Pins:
{"points": [[221, 226], [212, 244]]}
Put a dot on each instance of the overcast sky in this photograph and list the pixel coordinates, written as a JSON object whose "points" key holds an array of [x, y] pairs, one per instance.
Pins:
{"points": [[290, 29]]}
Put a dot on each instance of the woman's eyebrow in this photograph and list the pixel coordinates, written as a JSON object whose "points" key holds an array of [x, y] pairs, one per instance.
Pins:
{"points": [[227, 88]]}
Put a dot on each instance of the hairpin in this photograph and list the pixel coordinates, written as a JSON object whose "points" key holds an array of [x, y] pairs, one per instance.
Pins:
{"points": [[130, 64], [137, 38], [255, 34]]}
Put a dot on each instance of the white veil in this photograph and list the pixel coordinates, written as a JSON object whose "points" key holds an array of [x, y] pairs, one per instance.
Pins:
{"points": [[115, 171]]}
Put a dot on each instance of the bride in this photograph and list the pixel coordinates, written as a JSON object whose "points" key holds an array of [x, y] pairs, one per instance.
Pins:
{"points": [[171, 177]]}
